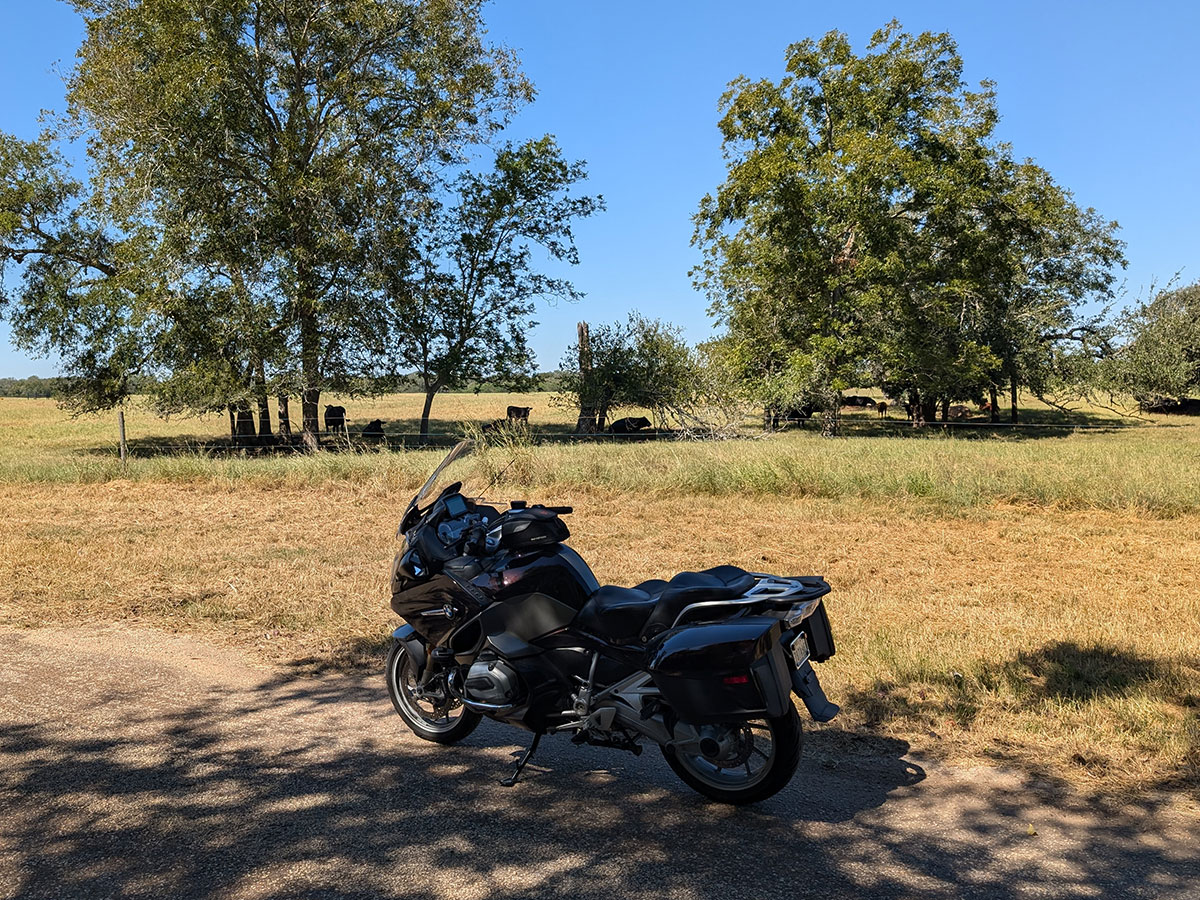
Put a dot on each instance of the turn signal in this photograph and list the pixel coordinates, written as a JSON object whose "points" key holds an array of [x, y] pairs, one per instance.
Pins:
{"points": [[736, 679]]}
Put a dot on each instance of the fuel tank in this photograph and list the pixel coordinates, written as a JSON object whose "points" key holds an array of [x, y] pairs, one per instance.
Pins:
{"points": [[557, 571], [422, 600]]}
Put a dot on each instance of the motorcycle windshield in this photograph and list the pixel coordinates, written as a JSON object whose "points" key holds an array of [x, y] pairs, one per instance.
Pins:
{"points": [[445, 473]]}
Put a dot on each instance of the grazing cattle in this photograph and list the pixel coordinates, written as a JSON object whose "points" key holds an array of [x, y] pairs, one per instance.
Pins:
{"points": [[860, 402], [957, 413], [335, 419], [883, 408], [519, 413], [1187, 406], [629, 425], [773, 415], [374, 430]]}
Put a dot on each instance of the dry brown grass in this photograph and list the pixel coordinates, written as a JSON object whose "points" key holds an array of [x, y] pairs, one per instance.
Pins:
{"points": [[1062, 641]]}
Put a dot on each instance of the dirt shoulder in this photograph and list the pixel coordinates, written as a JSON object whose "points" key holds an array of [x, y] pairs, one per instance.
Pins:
{"points": [[143, 764]]}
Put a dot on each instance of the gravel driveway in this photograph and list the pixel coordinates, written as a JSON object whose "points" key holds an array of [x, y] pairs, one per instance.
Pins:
{"points": [[135, 763]]}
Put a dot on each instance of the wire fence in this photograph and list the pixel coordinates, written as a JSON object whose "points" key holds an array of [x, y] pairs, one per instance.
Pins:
{"points": [[399, 441]]}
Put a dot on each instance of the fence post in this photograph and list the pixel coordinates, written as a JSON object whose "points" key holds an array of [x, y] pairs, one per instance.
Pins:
{"points": [[123, 447]]}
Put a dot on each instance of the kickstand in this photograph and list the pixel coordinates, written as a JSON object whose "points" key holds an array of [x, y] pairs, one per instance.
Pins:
{"points": [[512, 779]]}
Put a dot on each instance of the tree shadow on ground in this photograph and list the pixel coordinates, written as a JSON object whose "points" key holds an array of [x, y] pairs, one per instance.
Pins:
{"points": [[311, 788], [1058, 678], [1064, 670]]}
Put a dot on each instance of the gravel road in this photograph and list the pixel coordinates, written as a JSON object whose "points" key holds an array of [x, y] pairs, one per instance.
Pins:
{"points": [[135, 763]]}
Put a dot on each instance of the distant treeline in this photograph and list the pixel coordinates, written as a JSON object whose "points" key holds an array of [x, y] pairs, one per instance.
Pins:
{"points": [[29, 387], [33, 386]]}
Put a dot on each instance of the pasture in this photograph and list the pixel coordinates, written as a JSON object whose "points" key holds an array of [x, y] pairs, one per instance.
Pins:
{"points": [[1027, 598]]}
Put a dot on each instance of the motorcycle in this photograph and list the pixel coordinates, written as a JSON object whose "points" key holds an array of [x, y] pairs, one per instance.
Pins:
{"points": [[503, 619]]}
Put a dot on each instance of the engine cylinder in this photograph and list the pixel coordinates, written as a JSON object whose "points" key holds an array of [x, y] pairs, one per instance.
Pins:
{"points": [[492, 681]]}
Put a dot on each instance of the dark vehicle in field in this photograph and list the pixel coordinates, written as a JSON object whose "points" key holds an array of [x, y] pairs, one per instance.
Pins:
{"points": [[504, 620]]}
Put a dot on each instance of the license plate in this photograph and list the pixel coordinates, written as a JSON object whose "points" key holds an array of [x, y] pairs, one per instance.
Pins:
{"points": [[800, 649]]}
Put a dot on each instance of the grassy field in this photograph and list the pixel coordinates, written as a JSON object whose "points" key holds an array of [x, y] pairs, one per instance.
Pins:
{"points": [[1030, 598]]}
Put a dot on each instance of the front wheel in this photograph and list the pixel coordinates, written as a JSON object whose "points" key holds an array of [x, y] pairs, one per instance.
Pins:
{"points": [[740, 762], [431, 714]]}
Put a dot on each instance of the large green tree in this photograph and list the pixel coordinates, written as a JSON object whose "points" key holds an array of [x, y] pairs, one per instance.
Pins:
{"points": [[1158, 360], [76, 287], [871, 223], [462, 286], [263, 140]]}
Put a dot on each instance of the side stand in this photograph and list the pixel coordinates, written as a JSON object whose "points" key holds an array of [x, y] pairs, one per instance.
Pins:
{"points": [[512, 779]]}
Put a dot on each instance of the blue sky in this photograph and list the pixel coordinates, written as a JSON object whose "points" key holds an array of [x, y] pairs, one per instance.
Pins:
{"points": [[1105, 96]]}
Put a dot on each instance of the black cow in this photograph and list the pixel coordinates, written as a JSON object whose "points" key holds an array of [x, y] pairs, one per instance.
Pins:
{"points": [[373, 430], [860, 402], [773, 416], [1187, 406], [629, 425], [495, 426], [335, 419], [519, 413]]}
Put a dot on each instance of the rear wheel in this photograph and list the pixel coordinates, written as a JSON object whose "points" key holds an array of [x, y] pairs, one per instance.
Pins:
{"points": [[740, 762], [430, 713]]}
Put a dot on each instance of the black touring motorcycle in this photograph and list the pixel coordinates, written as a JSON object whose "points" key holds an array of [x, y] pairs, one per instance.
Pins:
{"points": [[505, 620]]}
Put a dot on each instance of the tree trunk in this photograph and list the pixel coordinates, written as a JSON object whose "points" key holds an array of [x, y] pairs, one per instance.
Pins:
{"points": [[1013, 397], [245, 424], [914, 408], [264, 404], [831, 421], [310, 414], [310, 365], [232, 426], [945, 409], [588, 422], [994, 399], [928, 408], [430, 390], [122, 447], [285, 420]]}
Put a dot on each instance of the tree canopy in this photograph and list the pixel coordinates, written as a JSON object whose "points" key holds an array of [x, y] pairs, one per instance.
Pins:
{"points": [[246, 158], [640, 363], [460, 305], [871, 227]]}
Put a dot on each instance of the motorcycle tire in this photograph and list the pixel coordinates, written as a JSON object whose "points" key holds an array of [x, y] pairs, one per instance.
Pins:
{"points": [[725, 784], [425, 724]]}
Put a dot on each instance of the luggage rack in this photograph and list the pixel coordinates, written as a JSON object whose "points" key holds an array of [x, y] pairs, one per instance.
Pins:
{"points": [[797, 597]]}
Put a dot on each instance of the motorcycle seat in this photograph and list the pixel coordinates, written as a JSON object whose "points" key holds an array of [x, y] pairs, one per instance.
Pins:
{"points": [[616, 613], [622, 614], [686, 588]]}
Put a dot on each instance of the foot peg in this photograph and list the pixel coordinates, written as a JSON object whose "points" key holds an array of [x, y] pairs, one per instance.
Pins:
{"points": [[512, 779]]}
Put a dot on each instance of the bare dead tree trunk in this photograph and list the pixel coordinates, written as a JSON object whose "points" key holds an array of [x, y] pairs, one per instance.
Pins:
{"points": [[587, 422]]}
